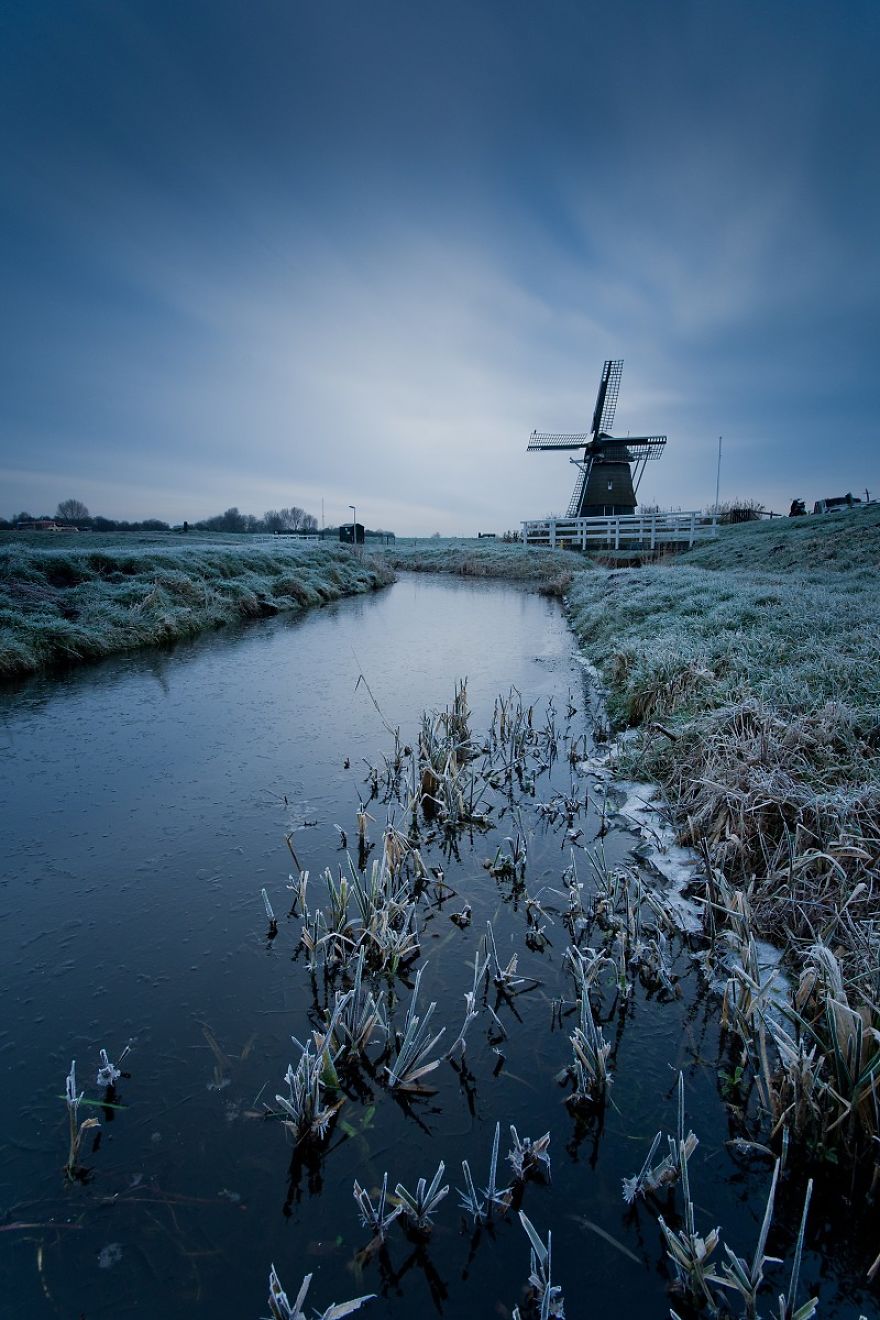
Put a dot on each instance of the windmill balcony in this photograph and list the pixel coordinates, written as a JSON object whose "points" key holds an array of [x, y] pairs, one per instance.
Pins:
{"points": [[647, 531]]}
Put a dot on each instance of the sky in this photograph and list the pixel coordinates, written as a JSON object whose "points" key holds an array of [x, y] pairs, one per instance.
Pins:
{"points": [[285, 252]]}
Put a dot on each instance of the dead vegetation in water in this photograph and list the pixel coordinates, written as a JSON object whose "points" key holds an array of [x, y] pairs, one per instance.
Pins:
{"points": [[805, 1065]]}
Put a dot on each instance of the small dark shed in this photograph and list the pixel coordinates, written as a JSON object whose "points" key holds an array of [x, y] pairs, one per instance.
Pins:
{"points": [[345, 533]]}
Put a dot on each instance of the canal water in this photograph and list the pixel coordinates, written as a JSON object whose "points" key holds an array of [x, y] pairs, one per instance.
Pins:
{"points": [[146, 802]]}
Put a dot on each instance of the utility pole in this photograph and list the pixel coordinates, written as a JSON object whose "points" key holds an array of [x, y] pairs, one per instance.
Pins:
{"points": [[718, 477]]}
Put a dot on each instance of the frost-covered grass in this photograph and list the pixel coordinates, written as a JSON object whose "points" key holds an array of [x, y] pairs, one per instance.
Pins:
{"points": [[813, 547], [757, 695], [70, 599], [548, 570]]}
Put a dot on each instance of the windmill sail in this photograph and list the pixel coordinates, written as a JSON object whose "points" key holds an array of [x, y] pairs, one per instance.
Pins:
{"points": [[577, 495], [606, 399]]}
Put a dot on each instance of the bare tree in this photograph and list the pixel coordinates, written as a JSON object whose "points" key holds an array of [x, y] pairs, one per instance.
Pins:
{"points": [[273, 521], [309, 522], [71, 511]]}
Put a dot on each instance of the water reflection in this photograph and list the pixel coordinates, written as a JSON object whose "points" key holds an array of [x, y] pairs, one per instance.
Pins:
{"points": [[149, 799]]}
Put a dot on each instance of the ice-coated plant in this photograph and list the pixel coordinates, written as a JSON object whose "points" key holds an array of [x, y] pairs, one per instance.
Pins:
{"points": [[359, 1015], [471, 1012], [307, 1114], [270, 915], [420, 1205], [282, 1309], [299, 885], [527, 1158], [589, 1065], [688, 1251], [494, 1195], [505, 978], [788, 1308], [551, 1305], [586, 966], [471, 1201], [75, 1128], [742, 1277], [651, 1177], [414, 1047], [374, 1217], [109, 1073]]}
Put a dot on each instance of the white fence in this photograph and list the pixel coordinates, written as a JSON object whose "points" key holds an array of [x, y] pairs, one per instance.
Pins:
{"points": [[283, 538], [636, 531]]}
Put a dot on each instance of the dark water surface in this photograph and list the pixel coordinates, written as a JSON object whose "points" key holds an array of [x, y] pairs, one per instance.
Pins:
{"points": [[145, 803]]}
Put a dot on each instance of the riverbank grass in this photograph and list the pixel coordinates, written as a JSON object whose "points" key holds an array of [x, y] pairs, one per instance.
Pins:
{"points": [[549, 571], [67, 603]]}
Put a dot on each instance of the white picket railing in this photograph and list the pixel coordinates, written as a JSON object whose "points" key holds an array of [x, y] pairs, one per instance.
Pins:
{"points": [[643, 531]]}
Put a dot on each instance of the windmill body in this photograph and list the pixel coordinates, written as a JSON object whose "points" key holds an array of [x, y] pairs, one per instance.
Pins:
{"points": [[609, 468]]}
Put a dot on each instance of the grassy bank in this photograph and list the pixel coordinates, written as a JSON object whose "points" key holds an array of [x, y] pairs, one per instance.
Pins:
{"points": [[750, 669], [80, 600], [550, 571], [719, 649]]}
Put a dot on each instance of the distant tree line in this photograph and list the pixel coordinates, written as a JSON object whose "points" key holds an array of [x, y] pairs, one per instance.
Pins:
{"points": [[74, 513], [293, 519]]}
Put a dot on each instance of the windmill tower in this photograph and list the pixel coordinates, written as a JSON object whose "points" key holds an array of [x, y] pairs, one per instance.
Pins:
{"points": [[605, 485]]}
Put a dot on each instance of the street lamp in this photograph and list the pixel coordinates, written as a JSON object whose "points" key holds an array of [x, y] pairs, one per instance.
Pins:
{"points": [[354, 532]]}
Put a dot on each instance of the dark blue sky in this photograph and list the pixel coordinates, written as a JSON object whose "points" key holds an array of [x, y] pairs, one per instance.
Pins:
{"points": [[267, 253]]}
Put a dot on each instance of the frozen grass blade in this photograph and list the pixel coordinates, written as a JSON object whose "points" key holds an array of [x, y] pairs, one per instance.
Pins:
{"points": [[374, 1216], [419, 1206], [527, 1158], [688, 1251], [75, 1128], [282, 1309], [470, 1198], [415, 1045], [787, 1302], [746, 1279], [548, 1295]]}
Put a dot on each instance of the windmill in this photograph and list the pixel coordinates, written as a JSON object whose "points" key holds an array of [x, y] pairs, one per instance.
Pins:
{"points": [[605, 484]]}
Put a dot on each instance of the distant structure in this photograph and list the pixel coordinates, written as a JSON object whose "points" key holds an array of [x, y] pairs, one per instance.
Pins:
{"points": [[352, 533], [605, 485], [835, 502], [44, 525]]}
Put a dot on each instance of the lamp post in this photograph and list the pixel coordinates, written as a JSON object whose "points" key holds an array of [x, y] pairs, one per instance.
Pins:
{"points": [[354, 525]]}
